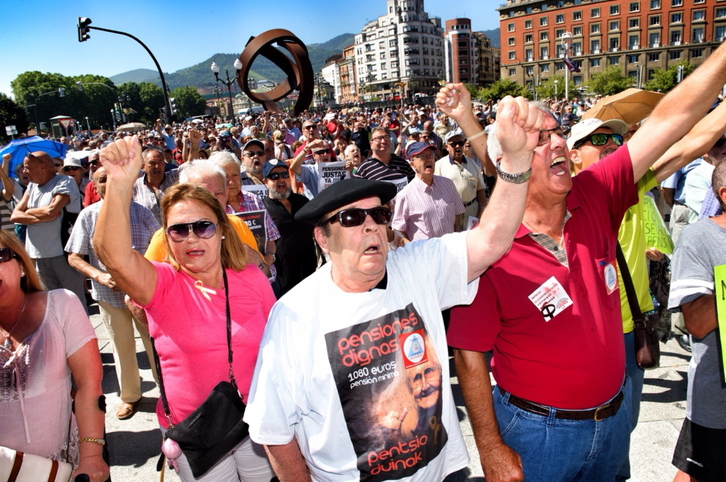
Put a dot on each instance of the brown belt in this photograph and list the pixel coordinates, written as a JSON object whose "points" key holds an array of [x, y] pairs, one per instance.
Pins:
{"points": [[600, 413]]}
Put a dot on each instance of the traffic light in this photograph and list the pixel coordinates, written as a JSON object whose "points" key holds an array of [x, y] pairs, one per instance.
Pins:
{"points": [[83, 28], [172, 104]]}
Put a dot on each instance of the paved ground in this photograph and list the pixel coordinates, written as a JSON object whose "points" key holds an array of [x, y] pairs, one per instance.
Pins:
{"points": [[135, 443]]}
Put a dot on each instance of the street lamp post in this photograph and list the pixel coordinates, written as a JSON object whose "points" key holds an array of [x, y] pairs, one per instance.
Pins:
{"points": [[556, 82], [565, 37], [84, 25], [228, 82]]}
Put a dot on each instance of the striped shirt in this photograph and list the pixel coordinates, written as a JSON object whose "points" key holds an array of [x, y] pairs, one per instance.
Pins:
{"points": [[397, 168], [424, 211]]}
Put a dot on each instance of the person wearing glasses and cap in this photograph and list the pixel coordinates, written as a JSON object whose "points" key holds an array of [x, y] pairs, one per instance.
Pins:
{"points": [[337, 341], [72, 168], [185, 300]]}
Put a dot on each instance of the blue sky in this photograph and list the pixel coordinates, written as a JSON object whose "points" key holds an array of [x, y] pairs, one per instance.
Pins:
{"points": [[41, 34]]}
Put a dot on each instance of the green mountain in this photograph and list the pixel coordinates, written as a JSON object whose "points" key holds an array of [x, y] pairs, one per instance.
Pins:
{"points": [[200, 75], [493, 36]]}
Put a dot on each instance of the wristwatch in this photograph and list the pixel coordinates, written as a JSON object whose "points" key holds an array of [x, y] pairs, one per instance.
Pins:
{"points": [[513, 178]]}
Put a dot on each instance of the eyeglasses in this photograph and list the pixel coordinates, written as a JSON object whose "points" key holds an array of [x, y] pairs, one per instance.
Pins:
{"points": [[71, 168], [349, 218], [94, 162], [600, 139], [202, 230], [278, 175], [6, 254], [253, 153], [320, 152], [545, 135], [58, 165], [380, 138], [457, 143], [308, 127]]}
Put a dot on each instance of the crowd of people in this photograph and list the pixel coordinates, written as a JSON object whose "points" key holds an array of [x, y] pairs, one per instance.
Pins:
{"points": [[347, 252]]}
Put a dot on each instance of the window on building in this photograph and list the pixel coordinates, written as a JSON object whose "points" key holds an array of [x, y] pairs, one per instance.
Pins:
{"points": [[528, 38], [559, 18], [654, 39], [677, 17], [543, 21], [676, 3], [527, 24], [696, 53], [559, 33], [633, 58], [720, 32], [595, 28], [577, 15], [528, 70], [633, 42], [576, 48], [720, 12], [595, 46], [634, 7], [559, 65], [674, 55], [614, 9], [654, 57], [614, 44], [594, 62], [595, 13], [654, 20], [697, 2], [697, 36], [654, 4], [544, 35], [676, 37], [544, 53], [634, 23], [463, 44], [544, 68], [614, 60], [510, 27], [576, 31], [528, 55], [699, 15], [512, 55], [577, 80], [512, 72], [615, 25]]}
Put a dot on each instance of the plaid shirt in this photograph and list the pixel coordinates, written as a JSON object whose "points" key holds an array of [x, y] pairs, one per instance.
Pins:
{"points": [[146, 196], [143, 226]]}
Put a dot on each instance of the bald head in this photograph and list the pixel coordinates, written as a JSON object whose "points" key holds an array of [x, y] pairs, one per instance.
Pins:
{"points": [[39, 167]]}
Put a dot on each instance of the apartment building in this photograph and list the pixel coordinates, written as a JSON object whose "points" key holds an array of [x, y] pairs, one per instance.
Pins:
{"points": [[638, 36]]}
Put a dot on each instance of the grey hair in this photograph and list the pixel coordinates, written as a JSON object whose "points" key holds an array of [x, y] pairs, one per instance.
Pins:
{"points": [[223, 157], [201, 168], [494, 148]]}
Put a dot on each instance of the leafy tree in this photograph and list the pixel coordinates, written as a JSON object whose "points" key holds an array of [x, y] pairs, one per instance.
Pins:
{"points": [[11, 114], [665, 80], [189, 102], [610, 82], [145, 99], [502, 88], [548, 89], [473, 90]]}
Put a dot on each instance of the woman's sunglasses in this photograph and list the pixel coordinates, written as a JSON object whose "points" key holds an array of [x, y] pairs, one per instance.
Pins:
{"points": [[202, 230], [6, 254], [349, 218]]}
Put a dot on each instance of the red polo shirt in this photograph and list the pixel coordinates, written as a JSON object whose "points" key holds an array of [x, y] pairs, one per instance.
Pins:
{"points": [[575, 359]]}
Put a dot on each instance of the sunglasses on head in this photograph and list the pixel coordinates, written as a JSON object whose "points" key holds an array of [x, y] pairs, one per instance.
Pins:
{"points": [[349, 218], [254, 153], [457, 143], [600, 139], [6, 254], [202, 230], [320, 152], [278, 175]]}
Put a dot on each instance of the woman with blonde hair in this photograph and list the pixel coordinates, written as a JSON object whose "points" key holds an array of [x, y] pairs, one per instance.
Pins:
{"points": [[45, 339], [186, 301]]}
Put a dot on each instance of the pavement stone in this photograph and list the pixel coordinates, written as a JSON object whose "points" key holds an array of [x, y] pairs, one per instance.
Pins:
{"points": [[135, 443]]}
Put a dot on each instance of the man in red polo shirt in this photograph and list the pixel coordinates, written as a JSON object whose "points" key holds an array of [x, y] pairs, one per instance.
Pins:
{"points": [[550, 308]]}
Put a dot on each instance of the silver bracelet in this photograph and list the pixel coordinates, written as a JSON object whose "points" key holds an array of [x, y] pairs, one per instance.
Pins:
{"points": [[519, 178]]}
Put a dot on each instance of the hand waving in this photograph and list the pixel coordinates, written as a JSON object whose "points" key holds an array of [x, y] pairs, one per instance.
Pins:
{"points": [[122, 160]]}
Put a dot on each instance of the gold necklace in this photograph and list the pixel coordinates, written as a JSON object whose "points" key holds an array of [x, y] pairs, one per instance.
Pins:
{"points": [[9, 344]]}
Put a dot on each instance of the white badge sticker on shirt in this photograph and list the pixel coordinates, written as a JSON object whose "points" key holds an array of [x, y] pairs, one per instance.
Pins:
{"points": [[611, 277], [550, 298]]}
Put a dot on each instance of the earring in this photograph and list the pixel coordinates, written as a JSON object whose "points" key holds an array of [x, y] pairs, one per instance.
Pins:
{"points": [[222, 237], [22, 274]]}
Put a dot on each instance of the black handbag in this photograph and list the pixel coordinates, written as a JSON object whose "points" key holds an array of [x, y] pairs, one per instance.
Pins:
{"points": [[212, 430], [647, 343]]}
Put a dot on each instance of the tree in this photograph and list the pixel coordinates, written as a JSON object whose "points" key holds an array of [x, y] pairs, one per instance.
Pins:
{"points": [[11, 114], [189, 102], [548, 89], [665, 80], [145, 99], [610, 82], [502, 88]]}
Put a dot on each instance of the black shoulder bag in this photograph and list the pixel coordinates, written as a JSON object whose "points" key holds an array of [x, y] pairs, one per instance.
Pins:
{"points": [[647, 348], [216, 427]]}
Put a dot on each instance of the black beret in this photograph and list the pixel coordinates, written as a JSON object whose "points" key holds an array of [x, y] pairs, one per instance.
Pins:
{"points": [[342, 193]]}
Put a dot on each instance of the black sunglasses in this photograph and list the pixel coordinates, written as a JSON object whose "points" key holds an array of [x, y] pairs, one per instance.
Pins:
{"points": [[456, 143], [320, 152], [202, 230], [6, 254], [600, 139], [308, 127], [72, 168], [349, 218], [278, 175], [253, 153]]}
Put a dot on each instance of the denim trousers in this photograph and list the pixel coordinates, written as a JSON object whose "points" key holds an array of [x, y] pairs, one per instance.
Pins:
{"points": [[565, 450], [637, 376]]}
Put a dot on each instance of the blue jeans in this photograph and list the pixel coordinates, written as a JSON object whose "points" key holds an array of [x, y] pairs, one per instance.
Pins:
{"points": [[565, 450], [636, 375]]}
